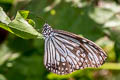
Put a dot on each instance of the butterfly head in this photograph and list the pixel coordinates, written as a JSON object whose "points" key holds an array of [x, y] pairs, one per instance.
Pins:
{"points": [[47, 30]]}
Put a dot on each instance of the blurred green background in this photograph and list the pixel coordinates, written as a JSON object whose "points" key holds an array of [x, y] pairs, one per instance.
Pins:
{"points": [[97, 20]]}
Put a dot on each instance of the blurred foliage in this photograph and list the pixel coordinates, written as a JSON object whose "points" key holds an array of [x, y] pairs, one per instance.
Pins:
{"points": [[21, 59]]}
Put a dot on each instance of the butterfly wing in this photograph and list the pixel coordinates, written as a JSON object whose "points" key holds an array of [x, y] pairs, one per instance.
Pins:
{"points": [[67, 52], [54, 61]]}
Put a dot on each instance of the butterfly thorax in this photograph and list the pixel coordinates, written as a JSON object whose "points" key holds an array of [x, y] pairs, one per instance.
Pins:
{"points": [[47, 31]]}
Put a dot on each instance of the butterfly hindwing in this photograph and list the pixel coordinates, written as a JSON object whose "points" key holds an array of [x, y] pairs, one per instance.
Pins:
{"points": [[81, 53]]}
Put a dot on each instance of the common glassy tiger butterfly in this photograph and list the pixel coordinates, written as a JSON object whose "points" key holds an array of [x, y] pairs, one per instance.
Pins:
{"points": [[66, 52]]}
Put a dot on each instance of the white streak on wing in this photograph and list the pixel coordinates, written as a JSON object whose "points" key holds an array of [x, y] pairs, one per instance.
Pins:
{"points": [[84, 40], [81, 59], [46, 52], [51, 52], [74, 61], [93, 49], [71, 54], [58, 63], [77, 59], [57, 56], [57, 46], [62, 47], [95, 56], [82, 51], [62, 59], [70, 47], [74, 43], [48, 64], [74, 40], [102, 54], [69, 60], [93, 62], [100, 58], [90, 56], [73, 57], [63, 40], [90, 43]]}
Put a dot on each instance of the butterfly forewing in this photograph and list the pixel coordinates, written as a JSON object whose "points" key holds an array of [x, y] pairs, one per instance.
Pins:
{"points": [[66, 52]]}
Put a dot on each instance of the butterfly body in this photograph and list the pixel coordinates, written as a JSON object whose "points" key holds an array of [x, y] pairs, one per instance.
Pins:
{"points": [[66, 52]]}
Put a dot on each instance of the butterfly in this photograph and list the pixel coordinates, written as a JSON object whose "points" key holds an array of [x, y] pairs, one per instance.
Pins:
{"points": [[66, 52]]}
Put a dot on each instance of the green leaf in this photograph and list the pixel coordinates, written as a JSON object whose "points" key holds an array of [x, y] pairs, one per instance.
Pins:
{"points": [[100, 15], [107, 14], [30, 21], [111, 66], [114, 21], [24, 13], [19, 26], [6, 1], [4, 26], [4, 20], [22, 28], [2, 77], [3, 17]]}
